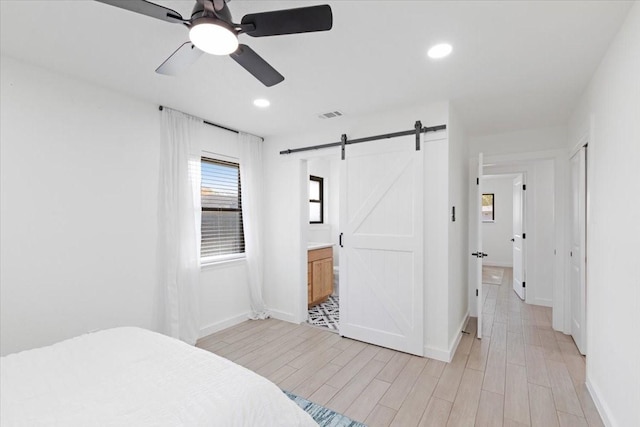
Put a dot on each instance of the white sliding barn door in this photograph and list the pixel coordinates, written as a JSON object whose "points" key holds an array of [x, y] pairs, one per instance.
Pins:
{"points": [[578, 244], [518, 241], [381, 258]]}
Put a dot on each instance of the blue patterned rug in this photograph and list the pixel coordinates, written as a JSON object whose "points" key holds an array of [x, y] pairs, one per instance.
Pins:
{"points": [[323, 416]]}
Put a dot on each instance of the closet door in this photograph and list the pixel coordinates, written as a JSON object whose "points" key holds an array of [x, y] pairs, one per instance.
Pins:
{"points": [[577, 256], [518, 237], [381, 258]]}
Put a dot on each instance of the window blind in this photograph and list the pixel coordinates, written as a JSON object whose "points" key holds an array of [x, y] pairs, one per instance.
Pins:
{"points": [[221, 194]]}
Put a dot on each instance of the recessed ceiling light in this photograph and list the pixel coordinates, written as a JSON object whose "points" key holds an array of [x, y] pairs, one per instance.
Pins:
{"points": [[261, 102], [440, 50]]}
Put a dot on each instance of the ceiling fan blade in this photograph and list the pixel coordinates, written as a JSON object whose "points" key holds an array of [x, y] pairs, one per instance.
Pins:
{"points": [[290, 21], [258, 67], [179, 60], [147, 8]]}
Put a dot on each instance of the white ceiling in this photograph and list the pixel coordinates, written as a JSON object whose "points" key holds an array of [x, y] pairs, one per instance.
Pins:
{"points": [[515, 64]]}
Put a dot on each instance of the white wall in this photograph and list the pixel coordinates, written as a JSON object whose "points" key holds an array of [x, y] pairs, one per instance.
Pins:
{"points": [[497, 235], [79, 202], [225, 296], [78, 213], [609, 112], [285, 271], [523, 141], [436, 251], [458, 229]]}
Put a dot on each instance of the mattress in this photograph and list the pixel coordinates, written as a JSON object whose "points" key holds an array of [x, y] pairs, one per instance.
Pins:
{"points": [[134, 377]]}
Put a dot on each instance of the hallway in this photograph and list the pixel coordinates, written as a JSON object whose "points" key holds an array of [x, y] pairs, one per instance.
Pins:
{"points": [[532, 374]]}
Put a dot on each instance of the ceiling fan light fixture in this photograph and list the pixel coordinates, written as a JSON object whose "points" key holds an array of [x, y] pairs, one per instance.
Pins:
{"points": [[213, 36]]}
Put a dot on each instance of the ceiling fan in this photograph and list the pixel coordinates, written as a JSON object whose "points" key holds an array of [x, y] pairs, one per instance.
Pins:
{"points": [[212, 30]]}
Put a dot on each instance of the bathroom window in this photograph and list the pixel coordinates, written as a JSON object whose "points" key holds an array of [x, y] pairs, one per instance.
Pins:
{"points": [[316, 200], [488, 212]]}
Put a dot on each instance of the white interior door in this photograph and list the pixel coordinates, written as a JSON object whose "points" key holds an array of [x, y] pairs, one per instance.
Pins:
{"points": [[518, 241], [381, 258], [478, 254], [577, 254]]}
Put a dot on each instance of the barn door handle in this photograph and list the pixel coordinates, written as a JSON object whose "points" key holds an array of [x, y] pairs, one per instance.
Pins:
{"points": [[340, 240]]}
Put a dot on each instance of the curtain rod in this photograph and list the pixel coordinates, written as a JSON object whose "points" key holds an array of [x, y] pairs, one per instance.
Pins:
{"points": [[216, 125]]}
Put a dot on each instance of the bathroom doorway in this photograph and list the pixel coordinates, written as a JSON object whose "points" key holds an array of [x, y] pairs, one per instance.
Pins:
{"points": [[323, 285]]}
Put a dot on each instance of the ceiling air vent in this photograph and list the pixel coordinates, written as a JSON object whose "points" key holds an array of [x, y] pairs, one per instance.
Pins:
{"points": [[330, 114]]}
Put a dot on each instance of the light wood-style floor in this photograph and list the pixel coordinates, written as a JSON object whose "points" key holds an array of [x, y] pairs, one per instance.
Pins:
{"points": [[521, 373]]}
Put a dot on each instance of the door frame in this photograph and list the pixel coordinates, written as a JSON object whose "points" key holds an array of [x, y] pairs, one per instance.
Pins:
{"points": [[300, 309], [525, 162], [513, 175], [476, 237], [583, 143]]}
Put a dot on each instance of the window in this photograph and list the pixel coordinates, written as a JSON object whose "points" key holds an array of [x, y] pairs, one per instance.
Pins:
{"points": [[222, 230], [487, 208], [316, 203]]}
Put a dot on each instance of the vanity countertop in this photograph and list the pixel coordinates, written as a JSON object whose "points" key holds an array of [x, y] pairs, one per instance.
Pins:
{"points": [[315, 245]]}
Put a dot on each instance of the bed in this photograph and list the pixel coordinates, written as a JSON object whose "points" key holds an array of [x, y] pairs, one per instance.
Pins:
{"points": [[134, 377]]}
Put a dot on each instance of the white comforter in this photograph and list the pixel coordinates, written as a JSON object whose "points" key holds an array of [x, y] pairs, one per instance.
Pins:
{"points": [[133, 377]]}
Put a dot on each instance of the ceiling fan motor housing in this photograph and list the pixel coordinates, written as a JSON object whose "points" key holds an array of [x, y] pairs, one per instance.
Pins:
{"points": [[200, 11]]}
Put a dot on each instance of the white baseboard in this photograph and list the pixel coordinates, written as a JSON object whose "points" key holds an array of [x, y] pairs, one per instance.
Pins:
{"points": [[541, 301], [223, 324], [437, 354], [232, 321], [601, 406], [281, 315], [497, 264], [447, 355], [454, 345]]}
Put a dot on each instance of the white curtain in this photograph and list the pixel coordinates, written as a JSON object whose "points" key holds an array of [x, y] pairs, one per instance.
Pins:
{"points": [[179, 224], [251, 182]]}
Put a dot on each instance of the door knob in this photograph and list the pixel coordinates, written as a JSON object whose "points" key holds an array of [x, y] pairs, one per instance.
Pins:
{"points": [[479, 254], [513, 240]]}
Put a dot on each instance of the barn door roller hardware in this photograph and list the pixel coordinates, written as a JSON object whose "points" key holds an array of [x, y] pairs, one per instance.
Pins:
{"points": [[344, 141]]}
